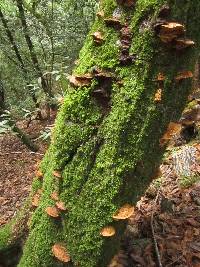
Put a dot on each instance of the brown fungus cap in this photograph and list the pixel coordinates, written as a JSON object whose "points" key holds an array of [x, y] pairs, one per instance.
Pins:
{"points": [[52, 212], [182, 43], [57, 174], [100, 14], [108, 231], [98, 37], [55, 196], [124, 212], [184, 75], [79, 81], [35, 200], [158, 95], [60, 205], [172, 28], [60, 252], [39, 174]]}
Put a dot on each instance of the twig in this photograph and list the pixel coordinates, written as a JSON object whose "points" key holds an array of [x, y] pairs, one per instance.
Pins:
{"points": [[36, 153], [153, 234]]}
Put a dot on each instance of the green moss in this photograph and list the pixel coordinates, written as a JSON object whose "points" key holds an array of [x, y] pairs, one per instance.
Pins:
{"points": [[187, 181], [107, 160], [5, 235]]}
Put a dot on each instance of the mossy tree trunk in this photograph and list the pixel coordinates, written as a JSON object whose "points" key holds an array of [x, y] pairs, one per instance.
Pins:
{"points": [[106, 140]]}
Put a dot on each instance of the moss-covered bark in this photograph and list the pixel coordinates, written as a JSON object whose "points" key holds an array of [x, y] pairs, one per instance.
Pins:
{"points": [[107, 152]]}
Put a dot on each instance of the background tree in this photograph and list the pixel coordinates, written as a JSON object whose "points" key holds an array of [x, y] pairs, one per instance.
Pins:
{"points": [[133, 79]]}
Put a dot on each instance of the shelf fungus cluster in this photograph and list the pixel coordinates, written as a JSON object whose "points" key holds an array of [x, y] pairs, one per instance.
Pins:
{"points": [[125, 44], [80, 80], [54, 211], [60, 252], [173, 33]]}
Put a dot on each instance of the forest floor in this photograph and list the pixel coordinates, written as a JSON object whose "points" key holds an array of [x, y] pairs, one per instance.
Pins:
{"points": [[17, 168], [164, 230]]}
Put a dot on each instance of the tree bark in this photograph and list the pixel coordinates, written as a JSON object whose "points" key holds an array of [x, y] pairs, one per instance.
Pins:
{"points": [[106, 143]]}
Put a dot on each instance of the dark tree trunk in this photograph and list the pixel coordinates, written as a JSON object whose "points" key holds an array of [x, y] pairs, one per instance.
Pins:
{"points": [[30, 45], [108, 137]]}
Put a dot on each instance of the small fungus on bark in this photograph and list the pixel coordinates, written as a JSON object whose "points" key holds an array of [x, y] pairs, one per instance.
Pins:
{"points": [[108, 231], [61, 206], [57, 174], [182, 43], [39, 174], [100, 14], [36, 198], [98, 37], [158, 95], [52, 212], [184, 75], [124, 212], [60, 252], [55, 196], [79, 81], [172, 129]]}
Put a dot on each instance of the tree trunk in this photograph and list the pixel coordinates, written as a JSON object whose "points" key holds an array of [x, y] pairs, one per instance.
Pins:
{"points": [[107, 139], [30, 45], [17, 53]]}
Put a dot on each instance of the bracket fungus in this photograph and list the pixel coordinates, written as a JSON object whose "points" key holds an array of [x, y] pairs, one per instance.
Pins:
{"points": [[60, 252], [61, 206], [80, 80], [158, 95], [52, 212], [55, 196], [184, 75], [36, 198], [172, 129], [108, 231], [57, 174], [160, 77], [100, 14], [183, 43], [39, 174], [125, 212], [169, 31], [98, 37]]}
